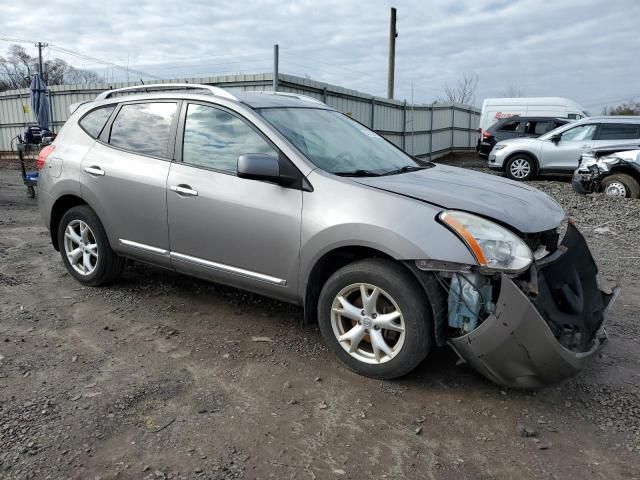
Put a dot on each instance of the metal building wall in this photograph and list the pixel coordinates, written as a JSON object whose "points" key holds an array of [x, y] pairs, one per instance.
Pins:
{"points": [[421, 130]]}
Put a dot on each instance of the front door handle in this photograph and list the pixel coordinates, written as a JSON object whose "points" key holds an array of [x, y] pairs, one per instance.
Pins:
{"points": [[97, 171], [185, 190]]}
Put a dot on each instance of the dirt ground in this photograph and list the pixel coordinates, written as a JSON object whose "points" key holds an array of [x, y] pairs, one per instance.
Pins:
{"points": [[161, 376]]}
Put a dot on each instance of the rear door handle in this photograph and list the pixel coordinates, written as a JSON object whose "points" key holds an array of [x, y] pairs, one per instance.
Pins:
{"points": [[97, 171], [185, 190]]}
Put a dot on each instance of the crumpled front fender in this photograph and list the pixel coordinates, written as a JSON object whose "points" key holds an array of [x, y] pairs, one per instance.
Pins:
{"points": [[516, 346]]}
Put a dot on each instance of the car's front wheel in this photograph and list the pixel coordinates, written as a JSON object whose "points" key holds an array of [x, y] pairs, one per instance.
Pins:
{"points": [[521, 167], [621, 185], [375, 318], [85, 249]]}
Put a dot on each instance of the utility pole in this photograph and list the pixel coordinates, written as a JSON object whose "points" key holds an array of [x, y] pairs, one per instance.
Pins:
{"points": [[393, 33], [275, 67], [40, 46]]}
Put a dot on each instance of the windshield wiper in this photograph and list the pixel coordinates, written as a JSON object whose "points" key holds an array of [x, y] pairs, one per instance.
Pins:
{"points": [[406, 168], [357, 173]]}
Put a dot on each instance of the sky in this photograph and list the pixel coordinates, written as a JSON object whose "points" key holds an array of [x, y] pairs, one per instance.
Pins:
{"points": [[586, 50]]}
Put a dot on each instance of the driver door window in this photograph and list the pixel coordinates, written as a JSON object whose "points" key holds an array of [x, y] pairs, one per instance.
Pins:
{"points": [[578, 134], [215, 139]]}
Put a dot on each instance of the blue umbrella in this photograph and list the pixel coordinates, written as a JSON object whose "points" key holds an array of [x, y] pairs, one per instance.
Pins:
{"points": [[39, 102]]}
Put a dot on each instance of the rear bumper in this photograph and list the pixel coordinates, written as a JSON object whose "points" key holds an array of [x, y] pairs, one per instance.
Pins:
{"points": [[547, 334]]}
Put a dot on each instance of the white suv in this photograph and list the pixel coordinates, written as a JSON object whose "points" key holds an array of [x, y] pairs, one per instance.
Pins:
{"points": [[559, 150]]}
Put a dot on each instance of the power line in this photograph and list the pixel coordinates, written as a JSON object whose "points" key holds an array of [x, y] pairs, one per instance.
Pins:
{"points": [[103, 62]]}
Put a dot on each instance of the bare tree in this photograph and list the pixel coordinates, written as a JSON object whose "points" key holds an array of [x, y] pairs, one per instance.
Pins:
{"points": [[18, 67], [512, 91], [464, 91], [629, 108]]}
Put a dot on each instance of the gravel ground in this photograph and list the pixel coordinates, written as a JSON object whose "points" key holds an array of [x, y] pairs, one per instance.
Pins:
{"points": [[163, 376]]}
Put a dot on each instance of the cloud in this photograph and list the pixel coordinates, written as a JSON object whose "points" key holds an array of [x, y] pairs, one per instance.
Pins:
{"points": [[582, 49]]}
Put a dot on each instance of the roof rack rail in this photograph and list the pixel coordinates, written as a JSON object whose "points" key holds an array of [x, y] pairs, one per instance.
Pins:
{"points": [[294, 95], [220, 92]]}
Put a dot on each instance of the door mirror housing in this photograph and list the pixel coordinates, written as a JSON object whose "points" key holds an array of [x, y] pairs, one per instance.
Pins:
{"points": [[556, 138], [261, 166]]}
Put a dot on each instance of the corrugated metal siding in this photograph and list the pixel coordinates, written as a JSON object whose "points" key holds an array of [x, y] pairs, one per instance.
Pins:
{"points": [[388, 115]]}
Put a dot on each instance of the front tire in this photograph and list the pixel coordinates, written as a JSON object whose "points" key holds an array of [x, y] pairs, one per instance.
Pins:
{"points": [[521, 168], [376, 318], [85, 249], [621, 185]]}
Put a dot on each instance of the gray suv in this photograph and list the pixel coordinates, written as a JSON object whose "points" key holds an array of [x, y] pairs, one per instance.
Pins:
{"points": [[559, 150], [281, 195]]}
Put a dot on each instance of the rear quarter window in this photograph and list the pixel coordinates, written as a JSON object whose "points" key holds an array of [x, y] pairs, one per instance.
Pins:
{"points": [[93, 122], [618, 131]]}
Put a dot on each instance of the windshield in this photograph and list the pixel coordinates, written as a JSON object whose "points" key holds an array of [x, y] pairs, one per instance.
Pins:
{"points": [[337, 144]]}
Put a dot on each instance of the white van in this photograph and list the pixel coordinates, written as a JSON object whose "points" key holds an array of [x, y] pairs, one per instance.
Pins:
{"points": [[494, 109]]}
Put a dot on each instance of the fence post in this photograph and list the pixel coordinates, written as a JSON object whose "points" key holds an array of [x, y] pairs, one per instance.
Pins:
{"points": [[324, 95], [373, 109], [404, 125], [431, 130], [453, 124], [470, 145], [51, 120]]}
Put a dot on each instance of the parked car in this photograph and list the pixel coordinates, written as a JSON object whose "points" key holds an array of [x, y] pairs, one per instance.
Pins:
{"points": [[613, 170], [517, 127], [494, 109], [281, 195], [560, 150]]}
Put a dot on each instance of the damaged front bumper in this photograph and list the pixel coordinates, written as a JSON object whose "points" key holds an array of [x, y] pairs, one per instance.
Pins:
{"points": [[546, 329]]}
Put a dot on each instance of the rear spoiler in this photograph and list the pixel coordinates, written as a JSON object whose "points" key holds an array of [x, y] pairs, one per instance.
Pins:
{"points": [[74, 106]]}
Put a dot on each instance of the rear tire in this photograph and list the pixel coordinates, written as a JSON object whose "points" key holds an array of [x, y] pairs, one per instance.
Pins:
{"points": [[621, 185], [521, 167], [85, 249], [385, 336]]}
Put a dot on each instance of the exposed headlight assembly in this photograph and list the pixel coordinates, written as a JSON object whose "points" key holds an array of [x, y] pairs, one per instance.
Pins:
{"points": [[494, 247]]}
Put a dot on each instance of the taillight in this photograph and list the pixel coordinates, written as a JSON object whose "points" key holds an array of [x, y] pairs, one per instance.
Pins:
{"points": [[44, 153], [487, 134]]}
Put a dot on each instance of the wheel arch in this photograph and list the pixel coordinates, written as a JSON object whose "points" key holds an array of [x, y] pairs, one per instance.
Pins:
{"points": [[333, 260], [632, 171], [60, 206]]}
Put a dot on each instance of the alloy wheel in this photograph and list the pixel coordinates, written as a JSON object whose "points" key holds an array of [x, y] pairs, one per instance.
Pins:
{"points": [[81, 247], [520, 168], [368, 323]]}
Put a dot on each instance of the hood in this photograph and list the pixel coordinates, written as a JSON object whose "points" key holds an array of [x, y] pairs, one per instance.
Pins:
{"points": [[515, 204]]}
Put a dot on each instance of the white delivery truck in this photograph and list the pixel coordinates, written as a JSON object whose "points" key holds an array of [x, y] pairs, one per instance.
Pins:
{"points": [[494, 109]]}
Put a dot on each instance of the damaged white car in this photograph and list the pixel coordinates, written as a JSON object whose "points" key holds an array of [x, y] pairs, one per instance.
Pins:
{"points": [[613, 170], [282, 195]]}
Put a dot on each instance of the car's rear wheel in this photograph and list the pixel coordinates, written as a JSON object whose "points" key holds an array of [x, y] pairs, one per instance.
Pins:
{"points": [[521, 167], [621, 185], [85, 249], [375, 318]]}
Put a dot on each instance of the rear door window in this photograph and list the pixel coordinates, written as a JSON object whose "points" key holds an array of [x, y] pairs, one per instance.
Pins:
{"points": [[93, 122], [536, 127], [143, 128], [510, 126], [618, 131]]}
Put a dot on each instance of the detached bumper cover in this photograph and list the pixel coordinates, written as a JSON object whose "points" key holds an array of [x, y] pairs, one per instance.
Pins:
{"points": [[585, 183], [530, 344]]}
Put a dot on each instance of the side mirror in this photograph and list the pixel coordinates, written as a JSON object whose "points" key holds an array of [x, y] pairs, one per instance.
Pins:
{"points": [[260, 166], [556, 138]]}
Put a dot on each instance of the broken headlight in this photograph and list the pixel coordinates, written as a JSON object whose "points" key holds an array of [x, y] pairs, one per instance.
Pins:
{"points": [[494, 247]]}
